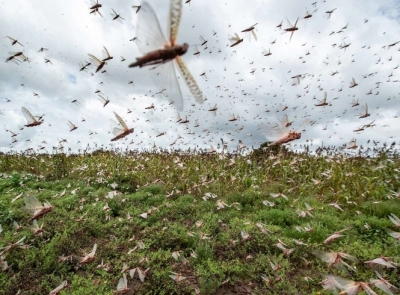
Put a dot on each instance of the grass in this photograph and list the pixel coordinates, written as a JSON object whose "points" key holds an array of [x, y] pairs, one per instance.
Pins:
{"points": [[180, 192]]}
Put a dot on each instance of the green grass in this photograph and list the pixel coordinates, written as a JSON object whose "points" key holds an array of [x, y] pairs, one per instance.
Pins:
{"points": [[180, 194]]}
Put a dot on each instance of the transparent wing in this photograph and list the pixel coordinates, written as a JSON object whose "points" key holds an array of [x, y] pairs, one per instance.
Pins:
{"points": [[248, 35], [105, 52], [295, 24], [254, 35], [233, 39], [28, 116], [165, 78], [122, 284], [122, 122], [93, 252], [94, 59], [32, 203], [190, 81], [101, 98], [116, 130], [59, 288], [289, 25], [141, 275], [148, 30], [174, 19]]}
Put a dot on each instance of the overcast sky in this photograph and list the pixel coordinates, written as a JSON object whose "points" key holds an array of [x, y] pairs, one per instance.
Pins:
{"points": [[70, 33]]}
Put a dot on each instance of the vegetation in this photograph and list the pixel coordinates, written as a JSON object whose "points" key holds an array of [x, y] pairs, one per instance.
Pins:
{"points": [[181, 223]]}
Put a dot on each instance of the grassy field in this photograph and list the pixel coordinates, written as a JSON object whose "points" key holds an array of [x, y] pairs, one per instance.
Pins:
{"points": [[198, 223]]}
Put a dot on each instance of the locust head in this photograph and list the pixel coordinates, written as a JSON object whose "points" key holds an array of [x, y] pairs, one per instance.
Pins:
{"points": [[183, 49]]}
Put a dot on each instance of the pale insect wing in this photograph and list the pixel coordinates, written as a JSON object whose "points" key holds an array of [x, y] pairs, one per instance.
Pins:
{"points": [[264, 51], [289, 25], [148, 30], [276, 131], [254, 35], [28, 116], [166, 78], [32, 203], [308, 206], [295, 24], [13, 52], [105, 52], [248, 35], [141, 274], [383, 286], [340, 282], [94, 59], [122, 122], [231, 39], [326, 257], [115, 128], [175, 13], [122, 284], [190, 81], [366, 108], [93, 252], [20, 241], [284, 120], [101, 98], [132, 272], [46, 204], [59, 288]]}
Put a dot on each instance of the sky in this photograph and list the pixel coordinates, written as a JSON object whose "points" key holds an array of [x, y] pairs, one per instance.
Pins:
{"points": [[240, 80]]}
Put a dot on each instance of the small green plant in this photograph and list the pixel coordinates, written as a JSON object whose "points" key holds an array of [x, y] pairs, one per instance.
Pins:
{"points": [[15, 179], [6, 215]]}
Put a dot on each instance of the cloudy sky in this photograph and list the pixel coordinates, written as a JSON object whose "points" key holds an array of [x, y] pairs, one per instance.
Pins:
{"points": [[241, 80]]}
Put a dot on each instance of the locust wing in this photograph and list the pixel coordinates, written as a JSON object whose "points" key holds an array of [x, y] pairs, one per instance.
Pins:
{"points": [[166, 78], [123, 283], [32, 204], [94, 59], [175, 13], [28, 116], [122, 122], [116, 130], [190, 81], [93, 252], [106, 54], [148, 30]]}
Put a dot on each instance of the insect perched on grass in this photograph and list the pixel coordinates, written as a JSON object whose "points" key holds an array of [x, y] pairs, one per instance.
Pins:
{"points": [[122, 286], [158, 51], [35, 208], [89, 257], [57, 290]]}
